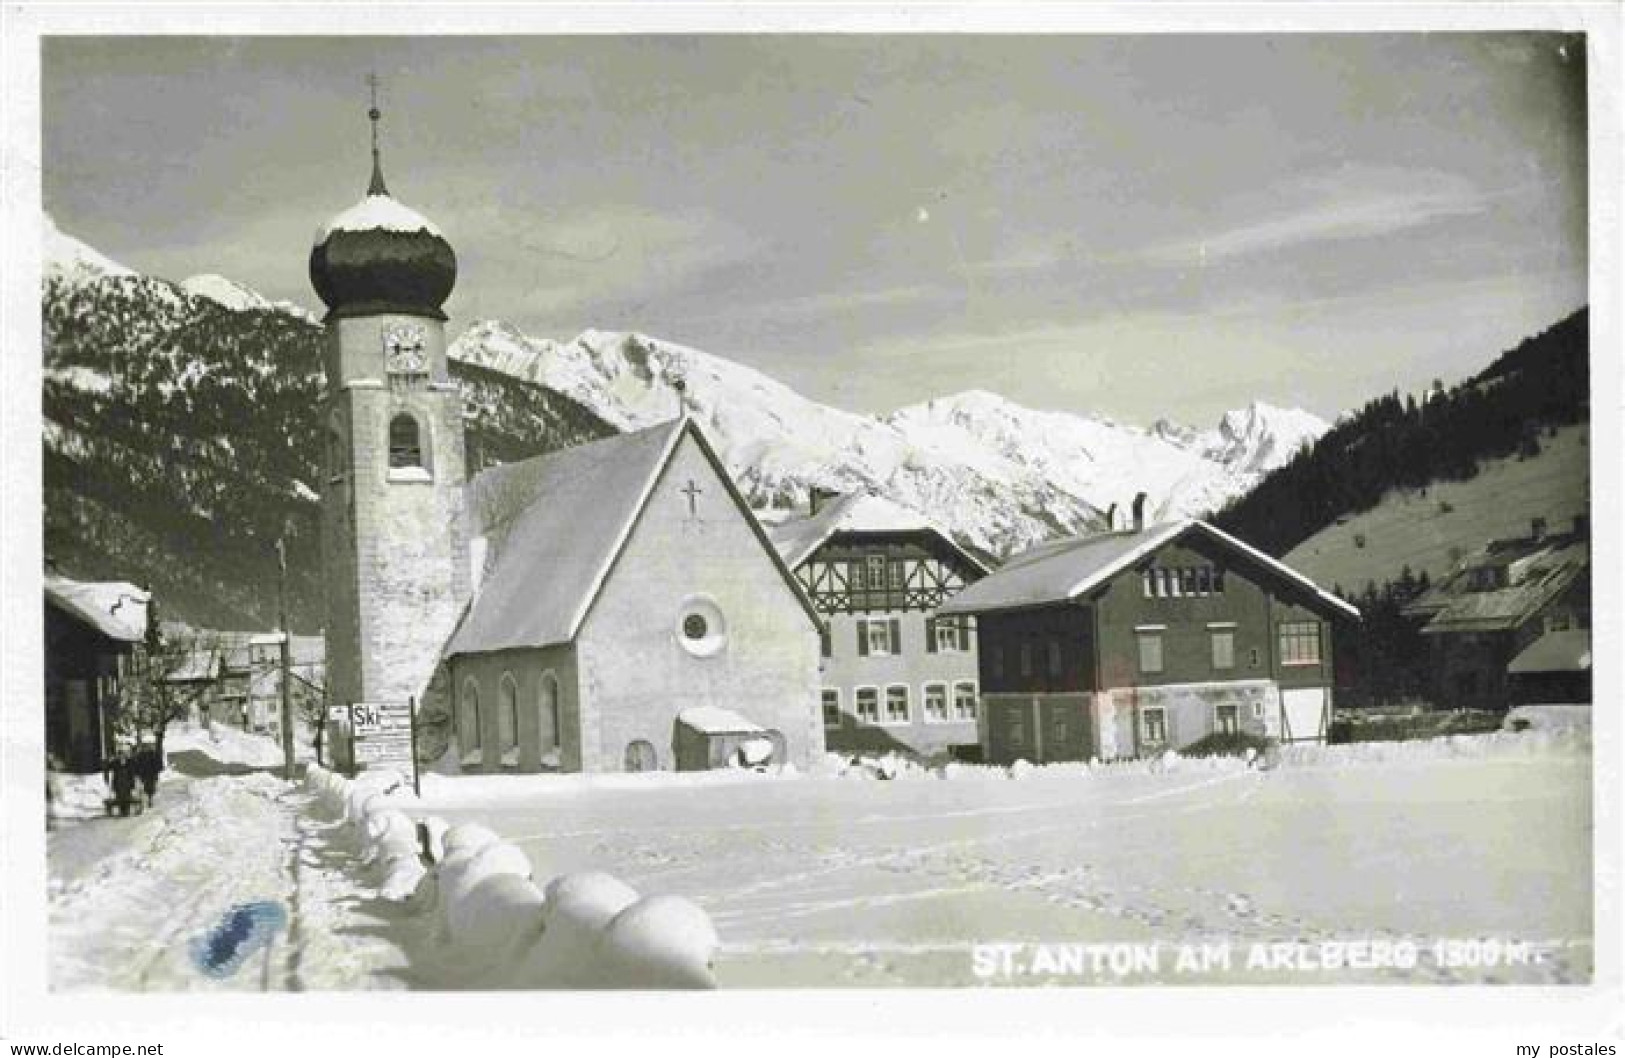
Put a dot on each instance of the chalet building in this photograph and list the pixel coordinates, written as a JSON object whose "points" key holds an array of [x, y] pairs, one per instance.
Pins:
{"points": [[589, 637], [1134, 642], [893, 676], [93, 633], [1487, 618]]}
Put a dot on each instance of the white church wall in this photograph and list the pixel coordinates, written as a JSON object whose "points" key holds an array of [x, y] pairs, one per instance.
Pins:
{"points": [[636, 674]]}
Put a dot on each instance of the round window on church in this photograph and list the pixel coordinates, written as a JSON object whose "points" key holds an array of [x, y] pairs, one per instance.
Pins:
{"points": [[700, 628]]}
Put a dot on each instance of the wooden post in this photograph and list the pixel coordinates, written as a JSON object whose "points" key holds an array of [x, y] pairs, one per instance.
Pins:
{"points": [[412, 725], [350, 737], [287, 665]]}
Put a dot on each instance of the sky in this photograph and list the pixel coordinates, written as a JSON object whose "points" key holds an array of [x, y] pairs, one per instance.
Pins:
{"points": [[1134, 226]]}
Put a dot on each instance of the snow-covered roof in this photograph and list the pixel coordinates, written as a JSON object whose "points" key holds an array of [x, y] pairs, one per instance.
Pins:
{"points": [[377, 213], [714, 720], [1065, 569], [1565, 651], [554, 527], [115, 608], [1534, 580], [798, 537]]}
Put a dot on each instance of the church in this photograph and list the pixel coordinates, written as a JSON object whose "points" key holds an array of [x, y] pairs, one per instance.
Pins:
{"points": [[583, 610]]}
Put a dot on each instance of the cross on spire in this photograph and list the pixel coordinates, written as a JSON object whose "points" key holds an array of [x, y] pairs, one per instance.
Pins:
{"points": [[376, 187]]}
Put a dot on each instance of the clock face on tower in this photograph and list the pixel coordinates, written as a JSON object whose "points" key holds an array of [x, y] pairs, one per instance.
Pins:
{"points": [[405, 349]]}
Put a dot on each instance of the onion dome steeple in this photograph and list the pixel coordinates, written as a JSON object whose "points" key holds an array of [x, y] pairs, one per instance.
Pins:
{"points": [[379, 256]]}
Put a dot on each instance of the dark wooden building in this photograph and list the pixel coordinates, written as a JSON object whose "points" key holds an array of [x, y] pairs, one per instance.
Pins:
{"points": [[1496, 604], [92, 632], [1134, 642]]}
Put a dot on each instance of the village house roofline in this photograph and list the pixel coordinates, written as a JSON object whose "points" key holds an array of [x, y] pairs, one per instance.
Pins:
{"points": [[553, 557], [1061, 571], [799, 538], [116, 608]]}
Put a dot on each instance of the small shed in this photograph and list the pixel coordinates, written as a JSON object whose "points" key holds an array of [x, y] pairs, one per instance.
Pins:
{"points": [[1553, 670], [709, 737]]}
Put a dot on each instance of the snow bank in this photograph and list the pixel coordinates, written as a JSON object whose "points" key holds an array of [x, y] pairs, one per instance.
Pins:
{"points": [[585, 930], [1575, 719]]}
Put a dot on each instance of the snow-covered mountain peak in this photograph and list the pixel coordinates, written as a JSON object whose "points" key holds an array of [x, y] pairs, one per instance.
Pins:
{"points": [[70, 259], [1000, 476], [225, 292]]}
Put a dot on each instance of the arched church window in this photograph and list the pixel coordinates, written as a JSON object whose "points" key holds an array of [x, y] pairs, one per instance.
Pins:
{"points": [[508, 719], [405, 443], [548, 729], [468, 721], [336, 463]]}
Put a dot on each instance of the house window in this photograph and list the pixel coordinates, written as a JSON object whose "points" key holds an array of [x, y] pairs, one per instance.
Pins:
{"points": [[1218, 582], [832, 707], [1026, 659], [1224, 650], [964, 701], [868, 705], [948, 635], [1204, 580], [1153, 725], [1300, 642], [1054, 652], [1252, 658], [1150, 651], [1227, 719], [936, 703], [897, 704], [1148, 581], [875, 573], [1187, 582], [1170, 583], [1058, 727], [894, 572], [1018, 727], [880, 636], [405, 445]]}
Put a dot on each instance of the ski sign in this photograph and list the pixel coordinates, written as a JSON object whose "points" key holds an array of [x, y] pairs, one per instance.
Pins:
{"points": [[385, 736]]}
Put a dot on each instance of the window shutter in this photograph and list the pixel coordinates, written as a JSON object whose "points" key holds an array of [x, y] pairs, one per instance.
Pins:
{"points": [[931, 635], [964, 634], [863, 638], [896, 636]]}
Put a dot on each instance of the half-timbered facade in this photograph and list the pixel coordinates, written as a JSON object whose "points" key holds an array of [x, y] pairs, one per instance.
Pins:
{"points": [[1132, 643], [894, 677]]}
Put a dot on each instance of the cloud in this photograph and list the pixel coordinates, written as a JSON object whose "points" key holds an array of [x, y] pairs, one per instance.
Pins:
{"points": [[1348, 205]]}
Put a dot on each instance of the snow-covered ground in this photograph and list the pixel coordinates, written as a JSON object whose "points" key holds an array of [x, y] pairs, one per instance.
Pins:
{"points": [[1460, 851], [131, 899], [824, 880]]}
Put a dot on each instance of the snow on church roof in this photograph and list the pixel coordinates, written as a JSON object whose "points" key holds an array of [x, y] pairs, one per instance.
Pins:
{"points": [[797, 538], [1065, 569], [554, 526]]}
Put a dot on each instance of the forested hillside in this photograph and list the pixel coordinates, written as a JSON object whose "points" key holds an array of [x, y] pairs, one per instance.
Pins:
{"points": [[1406, 443]]}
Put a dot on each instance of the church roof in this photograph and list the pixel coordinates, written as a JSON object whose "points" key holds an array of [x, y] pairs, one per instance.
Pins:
{"points": [[798, 537], [556, 524], [1062, 570]]}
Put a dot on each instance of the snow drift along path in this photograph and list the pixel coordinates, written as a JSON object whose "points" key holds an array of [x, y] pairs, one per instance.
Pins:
{"points": [[132, 900]]}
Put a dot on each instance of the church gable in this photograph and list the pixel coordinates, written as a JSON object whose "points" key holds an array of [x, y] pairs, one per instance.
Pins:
{"points": [[697, 610]]}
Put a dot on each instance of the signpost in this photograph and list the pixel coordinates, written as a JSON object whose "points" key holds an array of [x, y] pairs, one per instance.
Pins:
{"points": [[384, 734]]}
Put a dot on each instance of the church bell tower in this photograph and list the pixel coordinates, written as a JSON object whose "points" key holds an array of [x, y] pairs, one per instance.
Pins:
{"points": [[394, 548]]}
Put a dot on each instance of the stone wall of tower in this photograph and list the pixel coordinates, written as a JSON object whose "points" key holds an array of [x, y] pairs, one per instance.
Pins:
{"points": [[395, 543]]}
